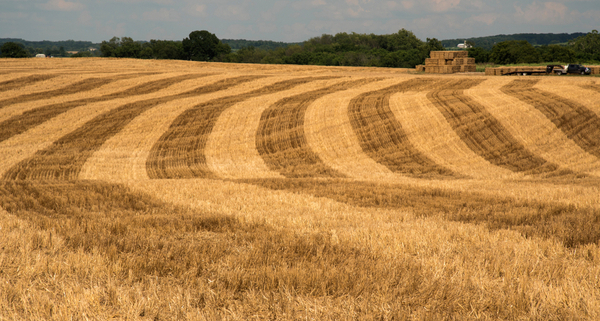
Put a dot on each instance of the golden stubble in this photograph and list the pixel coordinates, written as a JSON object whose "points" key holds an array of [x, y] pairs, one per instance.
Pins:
{"points": [[231, 149], [124, 155], [482, 271], [531, 128], [431, 134], [23, 146]]}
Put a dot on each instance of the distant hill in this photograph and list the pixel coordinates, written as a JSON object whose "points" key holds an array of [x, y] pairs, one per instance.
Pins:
{"points": [[532, 38], [68, 45], [237, 44]]}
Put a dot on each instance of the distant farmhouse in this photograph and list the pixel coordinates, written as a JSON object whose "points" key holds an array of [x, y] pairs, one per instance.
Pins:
{"points": [[464, 45]]}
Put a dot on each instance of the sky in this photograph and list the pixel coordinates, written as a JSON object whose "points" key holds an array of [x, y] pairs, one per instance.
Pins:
{"points": [[289, 20]]}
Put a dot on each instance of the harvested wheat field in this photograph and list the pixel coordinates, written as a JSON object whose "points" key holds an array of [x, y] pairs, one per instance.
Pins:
{"points": [[169, 190]]}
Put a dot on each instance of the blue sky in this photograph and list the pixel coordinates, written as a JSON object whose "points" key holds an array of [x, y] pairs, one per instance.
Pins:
{"points": [[288, 20]]}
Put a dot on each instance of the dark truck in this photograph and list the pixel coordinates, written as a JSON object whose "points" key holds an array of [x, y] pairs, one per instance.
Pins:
{"points": [[571, 69], [556, 69]]}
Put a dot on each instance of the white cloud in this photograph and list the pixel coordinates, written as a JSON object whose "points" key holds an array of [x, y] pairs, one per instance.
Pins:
{"points": [[487, 18], [233, 12], [161, 15], [408, 4], [200, 10], [85, 18], [443, 5], [543, 13], [62, 5]]}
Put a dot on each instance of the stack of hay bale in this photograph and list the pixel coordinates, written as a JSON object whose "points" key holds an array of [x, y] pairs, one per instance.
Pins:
{"points": [[448, 62]]}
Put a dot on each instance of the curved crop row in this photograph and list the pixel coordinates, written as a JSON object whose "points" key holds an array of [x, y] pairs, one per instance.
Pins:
{"points": [[78, 87], [64, 159], [23, 81], [573, 226], [381, 135], [191, 130], [577, 122], [21, 123], [482, 132], [280, 138]]}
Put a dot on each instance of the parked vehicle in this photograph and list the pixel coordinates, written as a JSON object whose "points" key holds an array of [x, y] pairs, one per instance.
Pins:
{"points": [[572, 69], [556, 69]]}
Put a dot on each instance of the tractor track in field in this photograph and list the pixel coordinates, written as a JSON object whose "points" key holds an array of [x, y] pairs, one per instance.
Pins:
{"points": [[484, 134], [78, 87], [573, 226], [24, 81], [31, 118], [281, 139], [579, 123], [591, 86], [382, 137], [192, 128], [64, 159]]}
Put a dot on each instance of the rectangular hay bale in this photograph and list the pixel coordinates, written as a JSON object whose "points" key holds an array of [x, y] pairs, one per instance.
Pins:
{"points": [[468, 68]]}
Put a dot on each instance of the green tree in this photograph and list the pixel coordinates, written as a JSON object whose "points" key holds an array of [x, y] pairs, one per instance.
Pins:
{"points": [[514, 52], [109, 48], [82, 54], [480, 54], [403, 40], [13, 50], [555, 53], [128, 48], [587, 47], [203, 46]]}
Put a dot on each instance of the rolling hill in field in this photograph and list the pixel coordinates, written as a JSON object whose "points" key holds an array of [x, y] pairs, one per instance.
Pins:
{"points": [[171, 190]]}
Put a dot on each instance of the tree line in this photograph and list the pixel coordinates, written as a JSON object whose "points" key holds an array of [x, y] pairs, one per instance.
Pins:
{"points": [[51, 48], [402, 49], [536, 39], [584, 49]]}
